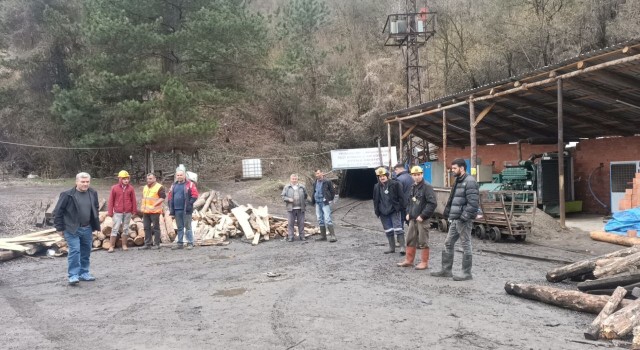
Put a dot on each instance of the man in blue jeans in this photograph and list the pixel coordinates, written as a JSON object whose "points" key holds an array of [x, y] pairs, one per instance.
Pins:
{"points": [[75, 219], [182, 195], [322, 198]]}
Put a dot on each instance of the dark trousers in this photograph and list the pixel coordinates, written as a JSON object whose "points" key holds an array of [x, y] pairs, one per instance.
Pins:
{"points": [[291, 217], [147, 220]]}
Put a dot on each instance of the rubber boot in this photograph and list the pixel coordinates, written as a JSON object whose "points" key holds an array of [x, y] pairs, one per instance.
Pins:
{"points": [[402, 244], [124, 242], [332, 234], [447, 263], [112, 240], [408, 260], [466, 268], [323, 234], [424, 260], [392, 245]]}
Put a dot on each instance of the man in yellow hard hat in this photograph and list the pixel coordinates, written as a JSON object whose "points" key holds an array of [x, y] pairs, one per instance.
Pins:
{"points": [[421, 205], [121, 206], [388, 199]]}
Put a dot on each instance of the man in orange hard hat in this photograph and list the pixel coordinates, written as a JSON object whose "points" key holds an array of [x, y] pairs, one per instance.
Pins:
{"points": [[121, 206], [420, 206]]}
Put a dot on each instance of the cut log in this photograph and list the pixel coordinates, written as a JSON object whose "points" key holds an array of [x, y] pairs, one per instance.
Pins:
{"points": [[101, 236], [593, 331], [97, 243], [103, 205], [584, 266], [6, 255], [164, 236], [614, 238], [33, 248], [107, 226], [201, 200], [106, 244], [609, 282], [52, 205], [629, 263], [621, 322], [140, 229], [569, 299], [240, 213], [102, 215], [636, 338], [139, 240], [207, 203]]}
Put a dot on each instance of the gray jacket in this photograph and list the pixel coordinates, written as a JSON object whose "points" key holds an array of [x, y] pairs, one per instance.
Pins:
{"points": [[463, 202], [288, 192]]}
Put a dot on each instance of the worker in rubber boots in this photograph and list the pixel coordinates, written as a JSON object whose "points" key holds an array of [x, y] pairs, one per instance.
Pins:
{"points": [[153, 196], [322, 198], [461, 210], [121, 206], [388, 199], [420, 206]]}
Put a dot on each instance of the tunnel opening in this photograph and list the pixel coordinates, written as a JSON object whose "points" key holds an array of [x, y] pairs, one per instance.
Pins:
{"points": [[358, 183]]}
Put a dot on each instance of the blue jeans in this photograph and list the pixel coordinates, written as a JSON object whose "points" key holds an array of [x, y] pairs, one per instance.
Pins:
{"points": [[323, 212], [79, 244], [183, 221]]}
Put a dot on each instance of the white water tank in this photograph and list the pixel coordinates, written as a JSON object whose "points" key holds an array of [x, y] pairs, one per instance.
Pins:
{"points": [[251, 169]]}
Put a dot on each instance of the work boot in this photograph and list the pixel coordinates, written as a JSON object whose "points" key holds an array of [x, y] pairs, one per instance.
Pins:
{"points": [[189, 246], [144, 247], [303, 237], [466, 268], [112, 240], [402, 244], [408, 260], [289, 239], [332, 234], [124, 242], [155, 247], [392, 245], [424, 260], [177, 246], [447, 263], [323, 234]]}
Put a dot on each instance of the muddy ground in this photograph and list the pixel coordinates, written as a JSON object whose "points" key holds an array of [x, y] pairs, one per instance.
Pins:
{"points": [[346, 295]]}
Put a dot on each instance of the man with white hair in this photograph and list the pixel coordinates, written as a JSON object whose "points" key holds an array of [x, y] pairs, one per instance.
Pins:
{"points": [[75, 219], [295, 195], [182, 195]]}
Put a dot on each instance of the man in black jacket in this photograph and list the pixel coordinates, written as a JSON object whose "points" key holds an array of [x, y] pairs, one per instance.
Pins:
{"points": [[75, 219], [388, 201], [322, 198], [461, 210], [421, 205]]}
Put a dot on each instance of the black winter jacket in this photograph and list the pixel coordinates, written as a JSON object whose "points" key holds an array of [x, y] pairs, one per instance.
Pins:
{"points": [[327, 191], [66, 212], [388, 203], [422, 201], [406, 181], [464, 199]]}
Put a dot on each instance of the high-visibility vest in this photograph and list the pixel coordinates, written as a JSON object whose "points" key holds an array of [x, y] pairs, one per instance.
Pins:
{"points": [[150, 199]]}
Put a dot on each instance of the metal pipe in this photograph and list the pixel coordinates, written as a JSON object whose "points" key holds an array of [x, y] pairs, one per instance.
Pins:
{"points": [[561, 155]]}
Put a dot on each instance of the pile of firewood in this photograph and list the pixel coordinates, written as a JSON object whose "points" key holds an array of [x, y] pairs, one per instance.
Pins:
{"points": [[610, 287], [215, 220]]}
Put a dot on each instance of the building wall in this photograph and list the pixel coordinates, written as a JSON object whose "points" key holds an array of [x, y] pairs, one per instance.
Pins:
{"points": [[587, 156]]}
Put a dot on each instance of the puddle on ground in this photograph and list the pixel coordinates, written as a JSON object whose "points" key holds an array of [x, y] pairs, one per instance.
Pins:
{"points": [[229, 292], [217, 257]]}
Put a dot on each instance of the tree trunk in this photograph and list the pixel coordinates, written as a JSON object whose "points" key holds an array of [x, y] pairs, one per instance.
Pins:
{"points": [[568, 299], [629, 263], [614, 238], [636, 338], [585, 266], [611, 306], [201, 200], [107, 226], [609, 282], [622, 322]]}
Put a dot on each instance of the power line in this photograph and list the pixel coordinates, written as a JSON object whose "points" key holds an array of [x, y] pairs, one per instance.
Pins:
{"points": [[279, 158], [55, 147]]}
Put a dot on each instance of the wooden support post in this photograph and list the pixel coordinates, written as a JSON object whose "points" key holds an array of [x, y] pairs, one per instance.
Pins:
{"points": [[400, 149], [444, 147], [561, 197], [389, 144], [472, 135]]}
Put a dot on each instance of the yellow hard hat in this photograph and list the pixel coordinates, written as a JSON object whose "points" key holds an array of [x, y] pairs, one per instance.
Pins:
{"points": [[416, 169], [381, 171], [123, 173]]}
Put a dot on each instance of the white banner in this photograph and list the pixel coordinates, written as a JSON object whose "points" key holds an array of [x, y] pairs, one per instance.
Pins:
{"points": [[362, 158]]}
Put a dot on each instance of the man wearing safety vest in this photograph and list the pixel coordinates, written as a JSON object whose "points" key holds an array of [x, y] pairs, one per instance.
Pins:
{"points": [[153, 195]]}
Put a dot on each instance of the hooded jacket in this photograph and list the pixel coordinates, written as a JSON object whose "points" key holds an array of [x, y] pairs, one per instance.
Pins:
{"points": [[122, 199]]}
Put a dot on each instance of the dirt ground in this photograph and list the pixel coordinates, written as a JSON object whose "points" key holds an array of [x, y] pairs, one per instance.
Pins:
{"points": [[346, 295]]}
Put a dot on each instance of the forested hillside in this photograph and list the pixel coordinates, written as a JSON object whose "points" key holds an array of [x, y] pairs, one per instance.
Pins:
{"points": [[294, 77]]}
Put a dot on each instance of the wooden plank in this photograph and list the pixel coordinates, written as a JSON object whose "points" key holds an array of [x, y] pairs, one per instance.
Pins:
{"points": [[52, 205], [240, 213], [408, 132], [483, 114]]}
